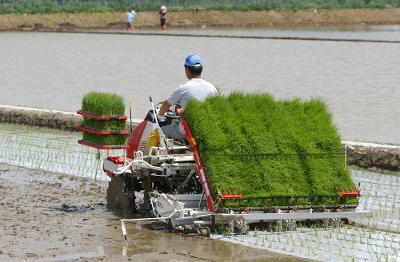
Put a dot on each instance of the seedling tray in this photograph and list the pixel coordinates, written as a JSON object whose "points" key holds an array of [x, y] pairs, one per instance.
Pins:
{"points": [[261, 148]]}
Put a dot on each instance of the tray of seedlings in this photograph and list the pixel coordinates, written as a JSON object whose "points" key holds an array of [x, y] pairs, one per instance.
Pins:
{"points": [[264, 156], [104, 122]]}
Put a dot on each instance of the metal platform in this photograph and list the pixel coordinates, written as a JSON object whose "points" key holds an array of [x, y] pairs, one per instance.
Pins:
{"points": [[254, 217]]}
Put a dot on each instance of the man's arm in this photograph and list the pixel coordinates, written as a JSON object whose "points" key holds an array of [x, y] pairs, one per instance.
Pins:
{"points": [[172, 100], [164, 108]]}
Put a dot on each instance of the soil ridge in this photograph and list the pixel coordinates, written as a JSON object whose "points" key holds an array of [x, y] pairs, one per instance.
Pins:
{"points": [[71, 22]]}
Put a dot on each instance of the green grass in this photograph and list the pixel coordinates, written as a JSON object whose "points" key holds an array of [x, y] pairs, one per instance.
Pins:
{"points": [[53, 6], [103, 104], [261, 147]]}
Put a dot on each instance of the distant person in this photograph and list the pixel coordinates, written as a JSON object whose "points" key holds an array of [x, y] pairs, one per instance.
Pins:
{"points": [[196, 88], [130, 20], [163, 17]]}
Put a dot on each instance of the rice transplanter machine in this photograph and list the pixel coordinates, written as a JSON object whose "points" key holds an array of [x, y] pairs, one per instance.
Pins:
{"points": [[165, 180]]}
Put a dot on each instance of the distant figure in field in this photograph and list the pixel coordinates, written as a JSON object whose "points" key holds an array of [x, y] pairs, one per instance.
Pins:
{"points": [[130, 20], [163, 17]]}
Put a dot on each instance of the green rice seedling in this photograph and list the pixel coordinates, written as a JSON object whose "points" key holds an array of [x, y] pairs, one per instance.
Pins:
{"points": [[289, 180], [261, 147], [111, 125], [103, 104], [321, 147], [105, 139]]}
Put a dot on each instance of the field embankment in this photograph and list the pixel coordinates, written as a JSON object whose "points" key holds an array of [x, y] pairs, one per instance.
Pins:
{"points": [[73, 6], [116, 20]]}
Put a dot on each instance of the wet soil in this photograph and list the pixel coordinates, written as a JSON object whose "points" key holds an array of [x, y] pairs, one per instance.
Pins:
{"points": [[48, 216], [368, 155]]}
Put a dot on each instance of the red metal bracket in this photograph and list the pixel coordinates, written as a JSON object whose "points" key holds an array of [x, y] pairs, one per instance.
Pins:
{"points": [[223, 197], [119, 160], [100, 117], [228, 194], [199, 164], [350, 194], [100, 132]]}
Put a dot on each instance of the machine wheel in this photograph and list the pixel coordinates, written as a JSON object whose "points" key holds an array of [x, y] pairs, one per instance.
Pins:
{"points": [[121, 195], [205, 231]]}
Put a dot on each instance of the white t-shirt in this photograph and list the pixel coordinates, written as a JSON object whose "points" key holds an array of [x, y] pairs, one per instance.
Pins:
{"points": [[130, 17], [195, 88]]}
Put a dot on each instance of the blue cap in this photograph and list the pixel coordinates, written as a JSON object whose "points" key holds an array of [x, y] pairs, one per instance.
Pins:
{"points": [[193, 60]]}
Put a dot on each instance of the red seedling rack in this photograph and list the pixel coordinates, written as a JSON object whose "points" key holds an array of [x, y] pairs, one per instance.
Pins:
{"points": [[100, 117], [93, 131], [100, 132]]}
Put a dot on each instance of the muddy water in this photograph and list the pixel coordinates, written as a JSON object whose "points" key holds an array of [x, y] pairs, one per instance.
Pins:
{"points": [[359, 81], [37, 227]]}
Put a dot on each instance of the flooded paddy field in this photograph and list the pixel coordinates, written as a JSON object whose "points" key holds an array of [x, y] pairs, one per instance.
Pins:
{"points": [[47, 179], [47, 195], [359, 81]]}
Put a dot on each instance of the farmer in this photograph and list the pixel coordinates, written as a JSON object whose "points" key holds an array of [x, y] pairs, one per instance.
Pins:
{"points": [[163, 17], [130, 20], [196, 88]]}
